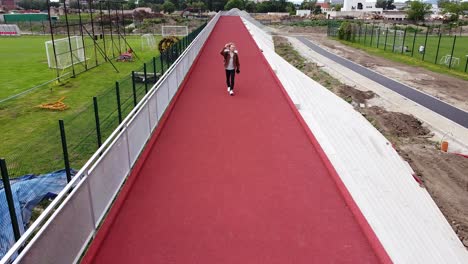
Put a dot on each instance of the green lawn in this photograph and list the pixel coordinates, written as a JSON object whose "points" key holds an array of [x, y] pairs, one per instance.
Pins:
{"points": [[30, 135], [432, 55]]}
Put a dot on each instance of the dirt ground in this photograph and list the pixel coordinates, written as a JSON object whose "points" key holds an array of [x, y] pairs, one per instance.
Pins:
{"points": [[447, 88], [444, 175]]}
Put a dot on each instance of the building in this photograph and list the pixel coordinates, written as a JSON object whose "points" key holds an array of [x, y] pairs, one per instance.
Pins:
{"points": [[325, 7], [302, 13], [7, 5], [394, 15], [360, 5]]}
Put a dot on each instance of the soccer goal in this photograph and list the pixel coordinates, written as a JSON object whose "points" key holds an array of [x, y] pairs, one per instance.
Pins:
{"points": [[148, 42], [174, 31], [66, 57], [9, 30]]}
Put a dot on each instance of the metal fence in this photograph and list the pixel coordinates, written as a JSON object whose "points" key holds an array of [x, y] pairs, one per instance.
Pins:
{"points": [[447, 47], [111, 135]]}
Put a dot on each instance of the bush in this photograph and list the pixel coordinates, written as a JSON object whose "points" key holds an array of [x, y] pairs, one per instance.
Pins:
{"points": [[346, 32]]}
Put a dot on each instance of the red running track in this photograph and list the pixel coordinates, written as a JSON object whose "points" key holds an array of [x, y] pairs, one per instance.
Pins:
{"points": [[234, 179]]}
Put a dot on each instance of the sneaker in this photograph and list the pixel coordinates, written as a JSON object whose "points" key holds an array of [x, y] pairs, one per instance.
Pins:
{"points": [[231, 92], [229, 89]]}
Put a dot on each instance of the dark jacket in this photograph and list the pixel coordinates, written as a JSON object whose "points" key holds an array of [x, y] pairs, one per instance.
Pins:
{"points": [[226, 54]]}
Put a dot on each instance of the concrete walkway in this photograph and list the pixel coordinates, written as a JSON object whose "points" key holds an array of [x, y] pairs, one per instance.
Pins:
{"points": [[392, 100]]}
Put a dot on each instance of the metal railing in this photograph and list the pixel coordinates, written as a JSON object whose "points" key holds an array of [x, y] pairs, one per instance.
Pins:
{"points": [[63, 231]]}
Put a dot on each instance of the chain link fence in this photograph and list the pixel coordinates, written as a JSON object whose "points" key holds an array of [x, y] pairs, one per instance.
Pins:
{"points": [[446, 45], [90, 126]]}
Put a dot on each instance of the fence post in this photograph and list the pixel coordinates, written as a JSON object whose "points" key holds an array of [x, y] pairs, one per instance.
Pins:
{"points": [[451, 54], [372, 35], [425, 44], [438, 46], [162, 62], [9, 198], [146, 77], [394, 39], [96, 117], [360, 28], [65, 150], [365, 35], [154, 70], [466, 63], [134, 89], [119, 107], [414, 40], [378, 37], [386, 35], [404, 39]]}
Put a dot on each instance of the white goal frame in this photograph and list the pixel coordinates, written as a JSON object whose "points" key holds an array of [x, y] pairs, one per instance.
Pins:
{"points": [[148, 42], [174, 31], [63, 53]]}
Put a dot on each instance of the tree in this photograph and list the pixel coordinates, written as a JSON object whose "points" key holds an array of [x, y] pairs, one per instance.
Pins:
{"points": [[317, 10], [308, 4], [385, 4], [234, 4], [250, 7], [36, 4], [156, 8], [130, 5], [217, 5], [168, 7], [198, 5], [337, 7], [418, 10]]}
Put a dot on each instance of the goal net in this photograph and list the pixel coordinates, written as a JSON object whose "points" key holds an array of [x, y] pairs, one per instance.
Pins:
{"points": [[174, 31], [66, 57], [148, 42], [9, 30], [391, 38]]}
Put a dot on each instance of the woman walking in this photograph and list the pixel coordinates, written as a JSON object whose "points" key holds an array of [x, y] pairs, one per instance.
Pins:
{"points": [[231, 64]]}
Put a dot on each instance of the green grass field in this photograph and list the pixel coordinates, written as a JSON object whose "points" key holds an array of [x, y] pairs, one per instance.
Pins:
{"points": [[383, 45], [30, 135]]}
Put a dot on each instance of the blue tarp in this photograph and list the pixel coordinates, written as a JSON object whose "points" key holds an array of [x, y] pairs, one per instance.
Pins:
{"points": [[28, 191]]}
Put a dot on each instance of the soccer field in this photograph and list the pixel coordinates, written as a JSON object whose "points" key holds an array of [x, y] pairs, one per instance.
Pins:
{"points": [[30, 135], [434, 53], [24, 62]]}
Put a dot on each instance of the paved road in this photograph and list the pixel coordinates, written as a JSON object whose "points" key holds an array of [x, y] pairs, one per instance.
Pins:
{"points": [[448, 111]]}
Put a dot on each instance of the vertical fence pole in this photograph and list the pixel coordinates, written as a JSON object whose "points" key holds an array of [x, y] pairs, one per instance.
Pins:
{"points": [[168, 58], [365, 35], [119, 106], [9, 197], [438, 46], [372, 34], [394, 38], [65, 150], [360, 28], [451, 54], [378, 37], [425, 44], [404, 39], [386, 35], [154, 70], [69, 41], [146, 77], [98, 125], [414, 40], [134, 89], [466, 63], [162, 62]]}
